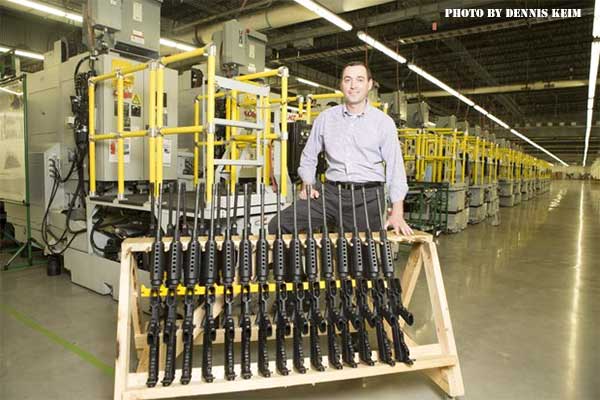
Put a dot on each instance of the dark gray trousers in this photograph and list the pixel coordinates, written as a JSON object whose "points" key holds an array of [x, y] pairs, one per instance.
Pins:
{"points": [[331, 205]]}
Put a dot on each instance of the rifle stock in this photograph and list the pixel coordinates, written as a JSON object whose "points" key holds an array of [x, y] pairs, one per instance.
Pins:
{"points": [[281, 296], [156, 279]]}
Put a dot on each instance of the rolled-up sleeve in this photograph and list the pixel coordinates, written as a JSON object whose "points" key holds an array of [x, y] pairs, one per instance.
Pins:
{"points": [[310, 155], [395, 174]]}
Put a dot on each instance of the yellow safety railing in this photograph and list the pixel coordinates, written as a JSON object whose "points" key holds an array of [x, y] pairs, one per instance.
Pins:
{"points": [[118, 74], [155, 130]]}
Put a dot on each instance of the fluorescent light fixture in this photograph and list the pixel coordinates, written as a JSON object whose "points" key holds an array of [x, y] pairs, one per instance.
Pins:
{"points": [[47, 9], [176, 45], [590, 105], [466, 100], [498, 121], [307, 82], [11, 91], [23, 53], [29, 54], [481, 110], [381, 47], [594, 59], [588, 130], [534, 144], [440, 84], [596, 26], [325, 13]]}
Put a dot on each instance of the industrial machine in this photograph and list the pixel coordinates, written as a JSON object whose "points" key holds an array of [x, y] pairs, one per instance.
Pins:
{"points": [[106, 124]]}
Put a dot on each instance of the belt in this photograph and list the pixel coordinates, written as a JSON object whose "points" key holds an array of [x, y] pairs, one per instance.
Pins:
{"points": [[357, 185]]}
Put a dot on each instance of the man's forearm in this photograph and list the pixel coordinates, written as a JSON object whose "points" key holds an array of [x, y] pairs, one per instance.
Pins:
{"points": [[398, 208]]}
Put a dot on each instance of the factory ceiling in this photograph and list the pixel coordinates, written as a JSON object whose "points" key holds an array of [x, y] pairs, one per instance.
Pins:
{"points": [[533, 72]]}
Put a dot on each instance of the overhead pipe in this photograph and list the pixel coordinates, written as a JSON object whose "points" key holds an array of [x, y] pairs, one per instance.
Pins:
{"points": [[278, 17]]}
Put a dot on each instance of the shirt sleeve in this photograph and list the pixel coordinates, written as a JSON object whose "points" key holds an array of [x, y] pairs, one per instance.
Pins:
{"points": [[310, 155], [395, 174]]}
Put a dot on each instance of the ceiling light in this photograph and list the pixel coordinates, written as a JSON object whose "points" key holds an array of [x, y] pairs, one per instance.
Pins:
{"points": [[176, 45], [23, 53], [481, 110], [588, 130], [307, 82], [594, 59], [466, 100], [47, 9], [325, 13], [11, 91], [596, 25], [498, 121], [534, 144], [29, 54], [381, 47], [440, 84]]}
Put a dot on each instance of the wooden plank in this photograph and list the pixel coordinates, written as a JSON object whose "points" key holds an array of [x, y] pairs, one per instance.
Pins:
{"points": [[143, 244], [136, 317], [138, 390], [411, 273], [123, 323], [441, 315]]}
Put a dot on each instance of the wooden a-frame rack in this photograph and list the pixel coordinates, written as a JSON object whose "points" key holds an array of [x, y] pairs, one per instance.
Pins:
{"points": [[439, 361]]}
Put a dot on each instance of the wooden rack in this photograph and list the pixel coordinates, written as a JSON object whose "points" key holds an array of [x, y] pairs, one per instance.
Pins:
{"points": [[439, 361]]}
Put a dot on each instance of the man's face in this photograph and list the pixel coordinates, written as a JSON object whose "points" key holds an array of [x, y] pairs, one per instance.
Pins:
{"points": [[355, 84]]}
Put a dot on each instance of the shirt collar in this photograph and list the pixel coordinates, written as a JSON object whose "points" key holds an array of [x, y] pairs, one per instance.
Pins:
{"points": [[347, 113]]}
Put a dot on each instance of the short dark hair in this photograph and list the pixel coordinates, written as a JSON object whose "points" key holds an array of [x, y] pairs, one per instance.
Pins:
{"points": [[356, 64]]}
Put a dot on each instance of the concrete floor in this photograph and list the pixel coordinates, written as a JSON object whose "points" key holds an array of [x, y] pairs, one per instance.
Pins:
{"points": [[524, 299]]}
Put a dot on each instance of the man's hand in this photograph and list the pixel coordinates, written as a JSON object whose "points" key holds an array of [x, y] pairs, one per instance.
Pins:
{"points": [[396, 221], [314, 194]]}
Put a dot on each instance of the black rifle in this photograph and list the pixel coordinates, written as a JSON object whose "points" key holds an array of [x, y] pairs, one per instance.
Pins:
{"points": [[317, 322], [334, 319], [209, 267], [202, 229], [296, 271], [364, 313], [172, 189], [157, 269], [190, 279], [227, 278], [234, 227], [281, 295], [184, 229], [377, 291], [173, 279], [265, 328], [218, 225], [395, 307], [348, 311], [245, 273]]}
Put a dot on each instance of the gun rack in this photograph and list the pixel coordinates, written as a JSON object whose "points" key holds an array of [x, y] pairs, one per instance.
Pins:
{"points": [[439, 361]]}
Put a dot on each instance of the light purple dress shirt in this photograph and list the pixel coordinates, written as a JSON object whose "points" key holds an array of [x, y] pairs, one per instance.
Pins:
{"points": [[358, 147]]}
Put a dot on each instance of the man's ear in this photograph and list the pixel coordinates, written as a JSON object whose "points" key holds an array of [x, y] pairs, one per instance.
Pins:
{"points": [[370, 84]]}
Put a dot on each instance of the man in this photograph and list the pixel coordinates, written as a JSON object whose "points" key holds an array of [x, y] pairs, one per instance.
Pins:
{"points": [[362, 148]]}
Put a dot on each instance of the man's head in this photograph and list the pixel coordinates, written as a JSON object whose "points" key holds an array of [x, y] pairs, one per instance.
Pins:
{"points": [[356, 82]]}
